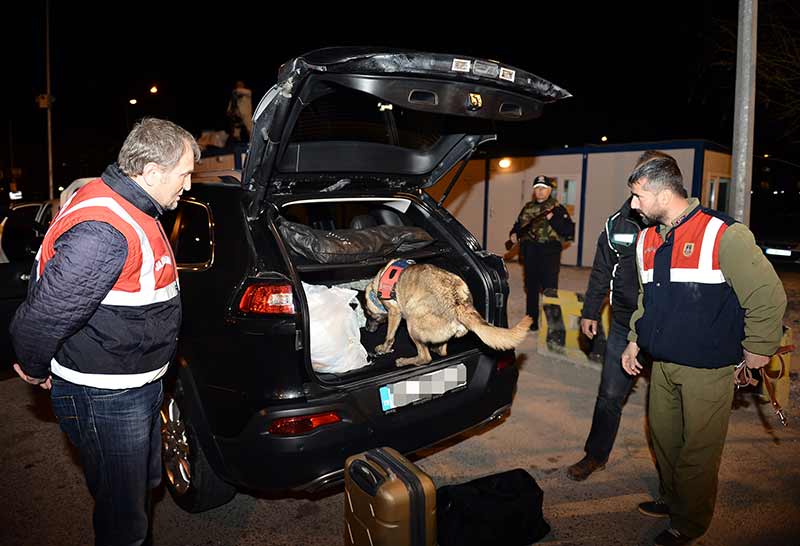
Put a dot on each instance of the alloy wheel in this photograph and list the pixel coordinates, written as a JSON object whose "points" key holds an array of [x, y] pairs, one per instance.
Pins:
{"points": [[175, 447]]}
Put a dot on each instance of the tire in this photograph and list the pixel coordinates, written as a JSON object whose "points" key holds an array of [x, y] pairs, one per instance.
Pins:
{"points": [[192, 483]]}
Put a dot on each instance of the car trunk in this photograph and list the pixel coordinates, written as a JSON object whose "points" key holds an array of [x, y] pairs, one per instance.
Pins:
{"points": [[403, 209]]}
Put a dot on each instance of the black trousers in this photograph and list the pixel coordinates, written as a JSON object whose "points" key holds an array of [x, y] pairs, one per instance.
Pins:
{"points": [[542, 263]]}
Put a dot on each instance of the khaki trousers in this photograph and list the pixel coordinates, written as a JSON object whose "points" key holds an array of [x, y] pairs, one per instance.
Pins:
{"points": [[689, 411]]}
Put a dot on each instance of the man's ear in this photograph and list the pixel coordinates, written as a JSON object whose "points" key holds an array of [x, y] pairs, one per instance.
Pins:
{"points": [[152, 173], [664, 197]]}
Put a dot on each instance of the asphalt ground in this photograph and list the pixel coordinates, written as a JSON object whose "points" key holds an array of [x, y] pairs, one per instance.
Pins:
{"points": [[758, 503]]}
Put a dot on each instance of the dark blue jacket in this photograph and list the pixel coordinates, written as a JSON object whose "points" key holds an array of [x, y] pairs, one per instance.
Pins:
{"points": [[62, 317]]}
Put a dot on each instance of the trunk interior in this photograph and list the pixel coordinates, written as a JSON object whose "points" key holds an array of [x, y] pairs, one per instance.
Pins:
{"points": [[444, 252]]}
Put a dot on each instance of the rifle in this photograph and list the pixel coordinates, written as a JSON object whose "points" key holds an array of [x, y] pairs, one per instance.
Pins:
{"points": [[510, 244]]}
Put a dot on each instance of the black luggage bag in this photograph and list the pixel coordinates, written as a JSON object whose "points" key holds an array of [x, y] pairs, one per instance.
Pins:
{"points": [[504, 508], [389, 501]]}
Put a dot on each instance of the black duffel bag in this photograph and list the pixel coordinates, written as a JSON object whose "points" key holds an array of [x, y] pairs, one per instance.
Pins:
{"points": [[343, 246], [504, 508]]}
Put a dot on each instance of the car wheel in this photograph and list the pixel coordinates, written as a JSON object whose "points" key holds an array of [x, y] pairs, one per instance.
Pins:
{"points": [[189, 478]]}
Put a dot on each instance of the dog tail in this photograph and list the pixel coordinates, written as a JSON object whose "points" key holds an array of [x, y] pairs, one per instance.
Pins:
{"points": [[493, 336]]}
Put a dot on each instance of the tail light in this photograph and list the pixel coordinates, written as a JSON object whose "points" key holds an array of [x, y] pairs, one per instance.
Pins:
{"points": [[291, 426], [267, 299], [505, 360]]}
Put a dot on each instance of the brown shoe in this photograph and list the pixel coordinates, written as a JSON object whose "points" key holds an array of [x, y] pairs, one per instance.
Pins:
{"points": [[584, 468]]}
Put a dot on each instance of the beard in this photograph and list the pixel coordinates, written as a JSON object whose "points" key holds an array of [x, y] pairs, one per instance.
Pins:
{"points": [[653, 218]]}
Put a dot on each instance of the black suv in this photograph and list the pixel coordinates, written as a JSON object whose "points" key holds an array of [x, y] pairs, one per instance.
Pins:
{"points": [[347, 139]]}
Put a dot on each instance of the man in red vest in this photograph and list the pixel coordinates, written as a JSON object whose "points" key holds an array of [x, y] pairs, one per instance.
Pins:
{"points": [[708, 300], [101, 319]]}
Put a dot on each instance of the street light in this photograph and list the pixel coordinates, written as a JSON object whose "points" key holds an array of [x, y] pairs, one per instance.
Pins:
{"points": [[505, 163], [133, 101], [604, 139], [153, 90]]}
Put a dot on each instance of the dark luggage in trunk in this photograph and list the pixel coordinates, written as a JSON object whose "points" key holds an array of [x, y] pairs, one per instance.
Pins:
{"points": [[389, 501], [504, 508]]}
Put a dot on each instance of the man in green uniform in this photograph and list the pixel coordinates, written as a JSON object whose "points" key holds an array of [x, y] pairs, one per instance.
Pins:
{"points": [[541, 228], [708, 300]]}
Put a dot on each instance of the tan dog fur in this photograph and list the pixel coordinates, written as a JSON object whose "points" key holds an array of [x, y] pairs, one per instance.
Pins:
{"points": [[436, 306]]}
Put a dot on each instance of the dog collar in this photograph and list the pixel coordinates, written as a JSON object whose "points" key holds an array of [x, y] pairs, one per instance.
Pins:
{"points": [[378, 303], [390, 277]]}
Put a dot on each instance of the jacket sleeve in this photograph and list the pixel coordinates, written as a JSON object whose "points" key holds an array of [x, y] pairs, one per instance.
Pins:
{"points": [[599, 279], [87, 262], [562, 223], [757, 287]]}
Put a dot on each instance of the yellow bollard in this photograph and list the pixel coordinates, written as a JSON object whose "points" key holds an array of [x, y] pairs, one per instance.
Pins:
{"points": [[560, 326]]}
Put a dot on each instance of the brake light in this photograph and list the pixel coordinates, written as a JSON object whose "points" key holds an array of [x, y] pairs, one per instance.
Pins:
{"points": [[505, 360], [266, 299], [291, 426]]}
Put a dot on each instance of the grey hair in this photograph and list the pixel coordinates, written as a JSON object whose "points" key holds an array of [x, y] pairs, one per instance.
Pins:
{"points": [[661, 172], [158, 141]]}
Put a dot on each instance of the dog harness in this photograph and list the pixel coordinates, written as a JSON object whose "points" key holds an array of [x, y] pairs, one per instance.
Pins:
{"points": [[390, 277]]}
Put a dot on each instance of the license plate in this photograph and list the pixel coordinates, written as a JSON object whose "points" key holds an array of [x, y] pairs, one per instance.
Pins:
{"points": [[778, 252], [423, 388]]}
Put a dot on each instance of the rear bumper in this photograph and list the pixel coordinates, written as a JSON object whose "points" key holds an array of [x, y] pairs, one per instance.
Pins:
{"points": [[260, 461]]}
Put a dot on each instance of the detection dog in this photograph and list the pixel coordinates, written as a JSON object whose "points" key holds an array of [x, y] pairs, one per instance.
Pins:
{"points": [[436, 306]]}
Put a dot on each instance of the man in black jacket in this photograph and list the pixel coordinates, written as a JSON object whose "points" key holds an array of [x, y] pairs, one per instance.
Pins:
{"points": [[543, 225], [614, 270], [100, 322]]}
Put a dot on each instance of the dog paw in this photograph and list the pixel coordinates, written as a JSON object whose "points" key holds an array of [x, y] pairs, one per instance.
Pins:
{"points": [[410, 362], [383, 349], [405, 362]]}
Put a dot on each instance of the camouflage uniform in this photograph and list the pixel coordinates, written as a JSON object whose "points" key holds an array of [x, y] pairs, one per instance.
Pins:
{"points": [[540, 248], [541, 230]]}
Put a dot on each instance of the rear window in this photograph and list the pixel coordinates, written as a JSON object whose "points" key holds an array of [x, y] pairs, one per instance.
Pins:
{"points": [[344, 114]]}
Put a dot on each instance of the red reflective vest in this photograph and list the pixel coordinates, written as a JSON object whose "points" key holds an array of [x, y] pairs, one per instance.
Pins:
{"points": [[691, 314], [149, 274]]}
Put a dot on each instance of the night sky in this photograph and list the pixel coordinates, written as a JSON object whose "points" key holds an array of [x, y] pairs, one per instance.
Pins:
{"points": [[656, 78]]}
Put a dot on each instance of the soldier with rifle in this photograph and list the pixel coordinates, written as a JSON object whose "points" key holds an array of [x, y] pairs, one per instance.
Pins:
{"points": [[542, 227]]}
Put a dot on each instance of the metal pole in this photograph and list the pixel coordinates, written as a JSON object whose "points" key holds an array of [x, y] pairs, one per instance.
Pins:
{"points": [[744, 111], [49, 102]]}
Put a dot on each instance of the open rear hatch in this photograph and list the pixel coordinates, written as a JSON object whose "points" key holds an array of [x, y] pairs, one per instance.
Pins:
{"points": [[362, 118]]}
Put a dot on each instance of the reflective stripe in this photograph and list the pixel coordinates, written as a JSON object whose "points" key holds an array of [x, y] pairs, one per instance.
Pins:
{"points": [[611, 284], [697, 275], [147, 279], [107, 381], [707, 248], [647, 276], [133, 299]]}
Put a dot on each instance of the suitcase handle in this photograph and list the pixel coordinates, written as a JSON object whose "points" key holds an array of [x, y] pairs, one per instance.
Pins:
{"points": [[365, 477]]}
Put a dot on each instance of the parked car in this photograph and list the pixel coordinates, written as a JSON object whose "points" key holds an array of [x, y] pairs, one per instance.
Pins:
{"points": [[21, 233], [348, 138], [781, 251]]}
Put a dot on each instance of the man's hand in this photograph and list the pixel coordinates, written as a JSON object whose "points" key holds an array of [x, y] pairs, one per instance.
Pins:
{"points": [[589, 327], [629, 362], [44, 383], [754, 361]]}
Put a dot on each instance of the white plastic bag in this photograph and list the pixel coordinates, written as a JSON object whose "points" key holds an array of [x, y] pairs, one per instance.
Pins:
{"points": [[335, 338]]}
